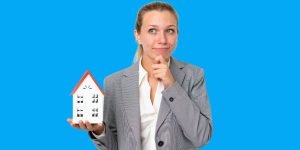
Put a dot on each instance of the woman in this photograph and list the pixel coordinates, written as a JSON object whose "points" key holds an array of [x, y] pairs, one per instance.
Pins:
{"points": [[158, 102]]}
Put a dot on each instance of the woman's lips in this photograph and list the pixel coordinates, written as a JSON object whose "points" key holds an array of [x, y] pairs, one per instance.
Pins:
{"points": [[161, 49]]}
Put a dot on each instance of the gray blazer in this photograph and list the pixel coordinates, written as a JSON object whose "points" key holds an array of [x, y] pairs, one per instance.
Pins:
{"points": [[184, 120]]}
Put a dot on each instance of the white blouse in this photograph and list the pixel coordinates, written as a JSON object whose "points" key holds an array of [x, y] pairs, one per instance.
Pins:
{"points": [[149, 112]]}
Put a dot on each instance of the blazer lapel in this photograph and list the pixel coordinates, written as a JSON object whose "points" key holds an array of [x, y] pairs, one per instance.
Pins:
{"points": [[130, 96], [178, 74]]}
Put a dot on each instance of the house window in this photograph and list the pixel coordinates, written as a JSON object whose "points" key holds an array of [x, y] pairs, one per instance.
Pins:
{"points": [[79, 112], [95, 100], [95, 112], [79, 98], [95, 96]]}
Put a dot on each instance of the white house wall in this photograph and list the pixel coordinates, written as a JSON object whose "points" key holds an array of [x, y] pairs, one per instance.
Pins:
{"points": [[87, 89]]}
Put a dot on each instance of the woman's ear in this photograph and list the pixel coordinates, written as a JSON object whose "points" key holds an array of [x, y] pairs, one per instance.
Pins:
{"points": [[137, 37]]}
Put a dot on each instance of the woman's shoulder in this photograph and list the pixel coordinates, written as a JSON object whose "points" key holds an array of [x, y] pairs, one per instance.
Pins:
{"points": [[189, 68], [116, 76]]}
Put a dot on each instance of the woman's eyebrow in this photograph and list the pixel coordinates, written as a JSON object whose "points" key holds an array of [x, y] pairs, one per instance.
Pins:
{"points": [[171, 25], [158, 26]]}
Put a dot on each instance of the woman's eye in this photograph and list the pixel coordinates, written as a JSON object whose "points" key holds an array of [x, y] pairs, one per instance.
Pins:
{"points": [[170, 31], [153, 31]]}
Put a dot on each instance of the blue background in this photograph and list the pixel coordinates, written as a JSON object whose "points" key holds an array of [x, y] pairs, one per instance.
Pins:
{"points": [[249, 50]]}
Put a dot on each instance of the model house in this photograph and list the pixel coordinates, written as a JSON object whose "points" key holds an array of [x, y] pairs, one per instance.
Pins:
{"points": [[88, 100]]}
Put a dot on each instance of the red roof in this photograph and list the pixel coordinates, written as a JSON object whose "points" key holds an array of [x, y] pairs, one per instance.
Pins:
{"points": [[82, 79]]}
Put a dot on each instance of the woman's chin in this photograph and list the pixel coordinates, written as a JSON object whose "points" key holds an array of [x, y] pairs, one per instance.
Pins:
{"points": [[164, 55]]}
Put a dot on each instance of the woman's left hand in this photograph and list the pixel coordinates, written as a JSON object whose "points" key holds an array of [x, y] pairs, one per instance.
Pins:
{"points": [[162, 71]]}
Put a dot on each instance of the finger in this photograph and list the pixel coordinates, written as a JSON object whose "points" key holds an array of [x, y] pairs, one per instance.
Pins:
{"points": [[70, 120], [82, 125], [161, 59], [72, 124], [159, 66], [159, 76], [89, 126], [156, 60], [75, 125], [158, 71], [101, 125]]}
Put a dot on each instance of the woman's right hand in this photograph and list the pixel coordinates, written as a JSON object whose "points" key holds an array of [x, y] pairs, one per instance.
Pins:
{"points": [[95, 128]]}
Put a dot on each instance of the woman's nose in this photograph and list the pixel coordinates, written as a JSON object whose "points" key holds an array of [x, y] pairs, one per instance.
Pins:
{"points": [[162, 39]]}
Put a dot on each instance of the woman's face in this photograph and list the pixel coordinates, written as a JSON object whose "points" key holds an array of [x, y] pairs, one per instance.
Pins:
{"points": [[158, 34]]}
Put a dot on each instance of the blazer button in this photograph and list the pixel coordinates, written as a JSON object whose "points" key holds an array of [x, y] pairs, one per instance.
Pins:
{"points": [[171, 99], [160, 143]]}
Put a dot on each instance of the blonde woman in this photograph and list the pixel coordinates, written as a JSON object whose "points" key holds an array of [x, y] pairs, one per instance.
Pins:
{"points": [[158, 102]]}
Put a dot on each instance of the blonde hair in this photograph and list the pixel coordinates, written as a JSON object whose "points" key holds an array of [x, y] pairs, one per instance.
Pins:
{"points": [[160, 6], [138, 53]]}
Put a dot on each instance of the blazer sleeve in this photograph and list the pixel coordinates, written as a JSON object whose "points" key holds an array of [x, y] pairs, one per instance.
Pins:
{"points": [[109, 140], [191, 108]]}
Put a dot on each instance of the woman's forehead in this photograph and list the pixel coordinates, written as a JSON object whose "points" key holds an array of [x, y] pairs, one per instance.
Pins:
{"points": [[159, 18]]}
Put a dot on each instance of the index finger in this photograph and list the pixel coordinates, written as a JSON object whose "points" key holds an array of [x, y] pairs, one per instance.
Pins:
{"points": [[72, 124], [160, 59]]}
